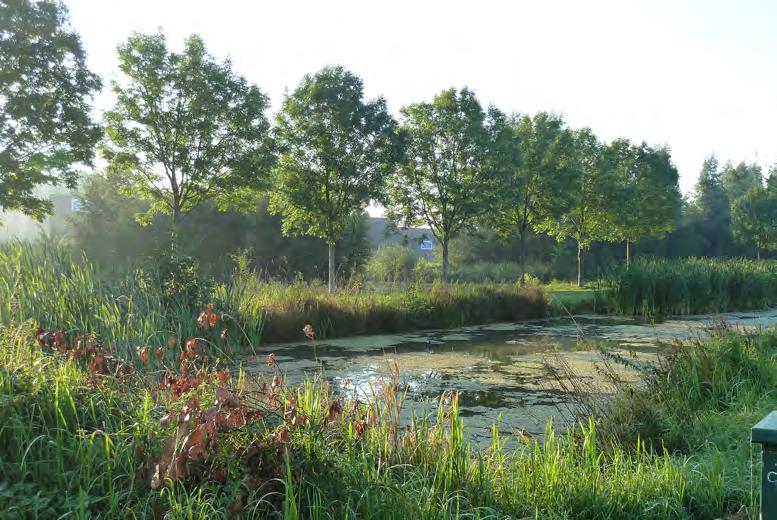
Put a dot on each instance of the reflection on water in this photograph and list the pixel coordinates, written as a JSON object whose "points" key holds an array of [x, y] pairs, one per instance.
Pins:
{"points": [[499, 369]]}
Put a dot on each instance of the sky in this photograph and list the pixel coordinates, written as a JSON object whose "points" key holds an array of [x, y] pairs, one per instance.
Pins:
{"points": [[697, 76]]}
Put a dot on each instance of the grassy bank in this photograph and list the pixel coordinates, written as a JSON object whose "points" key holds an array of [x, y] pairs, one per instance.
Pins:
{"points": [[655, 288], [79, 438], [145, 306], [285, 309]]}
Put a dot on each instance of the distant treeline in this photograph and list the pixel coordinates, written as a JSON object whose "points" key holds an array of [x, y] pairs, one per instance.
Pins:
{"points": [[188, 136]]}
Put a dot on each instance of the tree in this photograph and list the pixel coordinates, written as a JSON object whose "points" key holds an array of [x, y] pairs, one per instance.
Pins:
{"points": [[46, 129], [737, 180], [335, 150], [185, 129], [754, 218], [712, 209], [533, 175], [647, 192], [586, 207], [446, 175]]}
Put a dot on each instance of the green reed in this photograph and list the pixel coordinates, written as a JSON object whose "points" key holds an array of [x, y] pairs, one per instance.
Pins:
{"points": [[657, 287]]}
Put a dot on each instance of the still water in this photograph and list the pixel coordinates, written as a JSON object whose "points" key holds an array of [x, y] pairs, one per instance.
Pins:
{"points": [[506, 371]]}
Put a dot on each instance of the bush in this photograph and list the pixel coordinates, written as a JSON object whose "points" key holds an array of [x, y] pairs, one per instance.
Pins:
{"points": [[487, 272], [392, 264]]}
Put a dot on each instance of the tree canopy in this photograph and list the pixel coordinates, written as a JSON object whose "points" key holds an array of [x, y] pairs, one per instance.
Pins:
{"points": [[185, 128], [535, 171], [335, 151], [46, 130], [647, 192], [446, 175], [754, 218], [586, 214], [712, 209]]}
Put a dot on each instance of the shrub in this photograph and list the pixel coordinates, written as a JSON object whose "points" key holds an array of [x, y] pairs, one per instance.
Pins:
{"points": [[393, 263]]}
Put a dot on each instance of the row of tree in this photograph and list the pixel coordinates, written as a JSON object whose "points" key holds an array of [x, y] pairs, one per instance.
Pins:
{"points": [[187, 129]]}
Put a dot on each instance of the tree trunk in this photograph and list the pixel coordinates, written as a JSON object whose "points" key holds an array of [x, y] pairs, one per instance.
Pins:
{"points": [[174, 231], [758, 253], [628, 252], [579, 265], [445, 261], [522, 257], [332, 281]]}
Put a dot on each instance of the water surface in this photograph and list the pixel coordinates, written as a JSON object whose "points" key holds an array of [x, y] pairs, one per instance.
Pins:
{"points": [[507, 371]]}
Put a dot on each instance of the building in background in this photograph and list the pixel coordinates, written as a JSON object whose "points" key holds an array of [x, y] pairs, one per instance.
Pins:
{"points": [[383, 232], [15, 225]]}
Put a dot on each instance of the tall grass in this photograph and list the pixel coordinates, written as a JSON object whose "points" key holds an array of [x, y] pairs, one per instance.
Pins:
{"points": [[654, 287], [287, 308], [70, 446], [45, 282]]}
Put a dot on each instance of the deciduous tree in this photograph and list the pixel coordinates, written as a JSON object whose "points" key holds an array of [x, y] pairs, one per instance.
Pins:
{"points": [[445, 179], [534, 175], [46, 129], [647, 193], [336, 150], [586, 213], [186, 128], [754, 218]]}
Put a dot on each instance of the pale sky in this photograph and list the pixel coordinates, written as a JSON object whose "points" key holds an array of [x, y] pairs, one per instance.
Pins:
{"points": [[698, 76]]}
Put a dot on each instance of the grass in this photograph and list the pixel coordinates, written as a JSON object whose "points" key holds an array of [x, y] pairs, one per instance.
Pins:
{"points": [[286, 309], [576, 301], [656, 288], [79, 442], [84, 434], [44, 282]]}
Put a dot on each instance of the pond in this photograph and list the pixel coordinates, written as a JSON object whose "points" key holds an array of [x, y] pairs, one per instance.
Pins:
{"points": [[521, 374]]}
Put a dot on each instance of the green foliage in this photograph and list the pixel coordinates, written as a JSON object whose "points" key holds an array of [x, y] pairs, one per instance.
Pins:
{"points": [[712, 209], [394, 263], [106, 229], [534, 170], [181, 284], [335, 152], [68, 445], [738, 180], [586, 214], [286, 309], [658, 287], [185, 128], [701, 393], [647, 192], [136, 307], [754, 218], [445, 179], [499, 272], [46, 129]]}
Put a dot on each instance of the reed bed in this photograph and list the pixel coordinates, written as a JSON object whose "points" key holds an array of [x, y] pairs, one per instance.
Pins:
{"points": [[657, 287], [286, 308], [47, 283]]}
